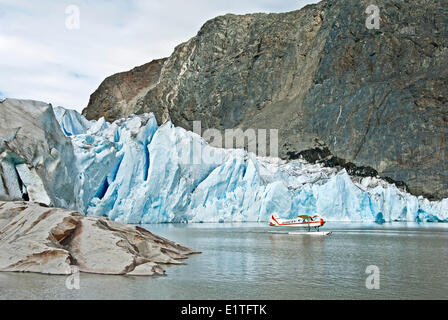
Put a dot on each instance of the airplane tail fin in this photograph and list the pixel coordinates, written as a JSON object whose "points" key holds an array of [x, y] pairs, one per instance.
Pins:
{"points": [[274, 220]]}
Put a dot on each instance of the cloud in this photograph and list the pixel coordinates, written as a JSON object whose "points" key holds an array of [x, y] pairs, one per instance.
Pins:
{"points": [[41, 59]]}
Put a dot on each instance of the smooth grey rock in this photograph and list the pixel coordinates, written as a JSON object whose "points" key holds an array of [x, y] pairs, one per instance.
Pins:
{"points": [[373, 98], [37, 238], [31, 136]]}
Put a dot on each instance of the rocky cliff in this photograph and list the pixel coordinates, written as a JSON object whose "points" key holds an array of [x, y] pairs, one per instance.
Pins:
{"points": [[119, 94], [372, 100]]}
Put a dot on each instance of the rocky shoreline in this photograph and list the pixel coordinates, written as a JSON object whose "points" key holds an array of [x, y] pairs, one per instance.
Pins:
{"points": [[37, 238]]}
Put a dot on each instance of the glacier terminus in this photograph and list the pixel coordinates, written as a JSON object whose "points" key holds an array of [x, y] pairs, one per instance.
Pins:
{"points": [[134, 171]]}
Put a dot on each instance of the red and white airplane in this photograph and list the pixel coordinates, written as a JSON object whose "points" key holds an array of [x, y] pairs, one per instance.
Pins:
{"points": [[302, 221]]}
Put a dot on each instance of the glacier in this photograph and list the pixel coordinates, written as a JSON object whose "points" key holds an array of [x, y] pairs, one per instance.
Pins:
{"points": [[134, 171]]}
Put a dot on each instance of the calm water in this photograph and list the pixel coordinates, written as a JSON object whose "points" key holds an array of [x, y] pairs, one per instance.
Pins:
{"points": [[245, 261]]}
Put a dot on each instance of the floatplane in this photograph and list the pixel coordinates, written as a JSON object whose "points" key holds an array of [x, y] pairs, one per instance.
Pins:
{"points": [[302, 221]]}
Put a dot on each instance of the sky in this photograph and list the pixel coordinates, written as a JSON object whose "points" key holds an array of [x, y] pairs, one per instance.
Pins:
{"points": [[60, 51]]}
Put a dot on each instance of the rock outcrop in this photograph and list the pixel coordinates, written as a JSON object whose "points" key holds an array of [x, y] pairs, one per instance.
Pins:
{"points": [[36, 238], [119, 94], [372, 98]]}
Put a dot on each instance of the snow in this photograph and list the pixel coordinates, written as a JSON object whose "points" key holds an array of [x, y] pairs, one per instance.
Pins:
{"points": [[137, 172]]}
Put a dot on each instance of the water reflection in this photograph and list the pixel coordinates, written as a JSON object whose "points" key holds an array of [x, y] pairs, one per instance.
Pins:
{"points": [[246, 261]]}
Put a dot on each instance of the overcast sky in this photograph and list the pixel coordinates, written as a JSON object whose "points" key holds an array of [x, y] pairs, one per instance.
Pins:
{"points": [[43, 59]]}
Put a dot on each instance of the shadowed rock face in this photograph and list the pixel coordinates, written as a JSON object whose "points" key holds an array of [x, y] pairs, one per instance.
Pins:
{"points": [[374, 98], [119, 94], [36, 238]]}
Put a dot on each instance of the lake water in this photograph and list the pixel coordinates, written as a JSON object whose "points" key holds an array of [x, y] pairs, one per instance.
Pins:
{"points": [[246, 261]]}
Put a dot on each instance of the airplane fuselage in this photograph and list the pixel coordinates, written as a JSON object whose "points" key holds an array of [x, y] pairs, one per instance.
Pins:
{"points": [[297, 222]]}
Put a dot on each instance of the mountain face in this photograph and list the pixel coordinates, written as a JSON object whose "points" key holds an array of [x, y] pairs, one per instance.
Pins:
{"points": [[371, 100]]}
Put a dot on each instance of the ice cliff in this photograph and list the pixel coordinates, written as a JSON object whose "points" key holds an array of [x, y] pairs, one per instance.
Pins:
{"points": [[137, 172], [134, 171]]}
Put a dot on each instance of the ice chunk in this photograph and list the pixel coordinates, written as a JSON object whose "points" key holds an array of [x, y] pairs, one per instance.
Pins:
{"points": [[71, 122], [10, 187], [34, 185]]}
